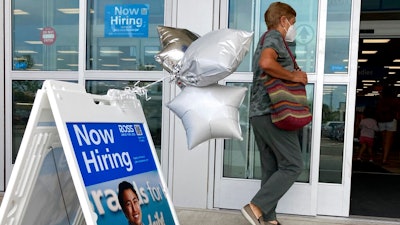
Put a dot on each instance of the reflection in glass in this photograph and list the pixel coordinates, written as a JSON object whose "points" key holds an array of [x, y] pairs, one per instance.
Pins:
{"points": [[23, 95], [117, 44], [332, 133], [337, 36], [45, 35], [54, 184], [242, 158], [152, 108], [239, 155], [306, 25]]}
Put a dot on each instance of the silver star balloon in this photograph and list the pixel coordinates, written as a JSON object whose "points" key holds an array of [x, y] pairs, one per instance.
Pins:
{"points": [[209, 112]]}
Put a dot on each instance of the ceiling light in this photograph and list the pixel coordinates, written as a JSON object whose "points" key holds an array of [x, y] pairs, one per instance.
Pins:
{"points": [[24, 103], [69, 10], [67, 52], [362, 60], [128, 59], [368, 81], [375, 41], [340, 72], [392, 67], [110, 65], [34, 42], [391, 73], [396, 60], [152, 52], [111, 52], [25, 52], [369, 52], [20, 12]]}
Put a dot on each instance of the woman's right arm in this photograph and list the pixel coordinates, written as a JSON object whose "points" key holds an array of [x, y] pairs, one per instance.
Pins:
{"points": [[269, 64]]}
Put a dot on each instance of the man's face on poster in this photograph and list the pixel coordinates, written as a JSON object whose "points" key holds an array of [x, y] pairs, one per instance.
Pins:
{"points": [[131, 207]]}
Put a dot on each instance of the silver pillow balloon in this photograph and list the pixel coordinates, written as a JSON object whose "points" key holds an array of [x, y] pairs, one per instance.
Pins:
{"points": [[213, 56], [174, 42]]}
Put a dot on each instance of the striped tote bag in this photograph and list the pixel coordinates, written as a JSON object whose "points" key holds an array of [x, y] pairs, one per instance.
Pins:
{"points": [[290, 110]]}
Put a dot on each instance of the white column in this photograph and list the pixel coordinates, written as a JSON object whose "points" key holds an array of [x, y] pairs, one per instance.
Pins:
{"points": [[189, 184]]}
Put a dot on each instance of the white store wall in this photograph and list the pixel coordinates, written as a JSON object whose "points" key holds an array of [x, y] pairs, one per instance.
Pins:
{"points": [[2, 76], [190, 168]]}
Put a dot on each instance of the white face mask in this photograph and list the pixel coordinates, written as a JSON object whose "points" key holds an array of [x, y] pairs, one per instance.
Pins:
{"points": [[290, 33]]}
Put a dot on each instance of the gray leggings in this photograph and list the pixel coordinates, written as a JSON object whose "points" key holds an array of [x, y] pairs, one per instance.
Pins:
{"points": [[281, 163]]}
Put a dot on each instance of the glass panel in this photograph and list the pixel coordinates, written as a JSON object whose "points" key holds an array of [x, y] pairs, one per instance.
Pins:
{"points": [[239, 155], [239, 13], [23, 95], [390, 5], [242, 158], [45, 35], [370, 5], [307, 16], [337, 36], [332, 133], [152, 108], [122, 35]]}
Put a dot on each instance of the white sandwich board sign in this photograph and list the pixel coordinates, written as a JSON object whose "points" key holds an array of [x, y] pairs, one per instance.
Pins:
{"points": [[76, 150]]}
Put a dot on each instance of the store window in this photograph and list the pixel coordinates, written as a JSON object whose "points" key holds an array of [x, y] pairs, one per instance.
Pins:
{"points": [[45, 35], [248, 15], [24, 93], [332, 133], [122, 35], [241, 158], [337, 37], [152, 106]]}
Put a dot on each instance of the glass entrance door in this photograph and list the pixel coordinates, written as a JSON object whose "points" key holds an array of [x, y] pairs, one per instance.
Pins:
{"points": [[240, 173], [326, 48]]}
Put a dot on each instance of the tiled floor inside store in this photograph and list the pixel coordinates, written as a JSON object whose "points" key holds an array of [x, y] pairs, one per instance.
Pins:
{"points": [[392, 164]]}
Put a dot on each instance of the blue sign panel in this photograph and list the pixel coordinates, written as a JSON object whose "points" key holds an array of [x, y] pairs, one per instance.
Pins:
{"points": [[130, 20], [107, 151], [109, 154], [338, 68]]}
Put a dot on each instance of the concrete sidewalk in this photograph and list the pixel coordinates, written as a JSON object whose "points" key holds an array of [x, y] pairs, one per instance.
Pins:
{"points": [[187, 216], [234, 217]]}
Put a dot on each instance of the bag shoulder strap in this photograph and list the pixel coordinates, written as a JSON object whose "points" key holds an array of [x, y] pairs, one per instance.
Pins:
{"points": [[296, 67]]}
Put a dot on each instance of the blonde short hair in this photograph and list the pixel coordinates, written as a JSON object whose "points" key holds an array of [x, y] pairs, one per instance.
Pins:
{"points": [[275, 11]]}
